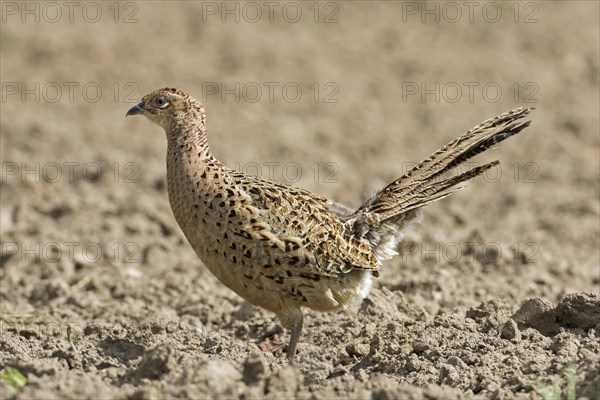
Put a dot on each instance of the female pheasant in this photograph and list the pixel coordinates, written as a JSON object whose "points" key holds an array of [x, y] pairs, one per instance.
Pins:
{"points": [[284, 248]]}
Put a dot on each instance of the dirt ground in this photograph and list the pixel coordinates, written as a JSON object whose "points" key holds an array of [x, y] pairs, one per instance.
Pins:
{"points": [[494, 295]]}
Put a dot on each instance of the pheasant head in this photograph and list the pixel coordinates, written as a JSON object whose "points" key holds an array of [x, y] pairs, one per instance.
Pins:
{"points": [[171, 109]]}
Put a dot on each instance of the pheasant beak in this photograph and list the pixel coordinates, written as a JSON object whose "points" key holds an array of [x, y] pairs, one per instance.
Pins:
{"points": [[137, 109]]}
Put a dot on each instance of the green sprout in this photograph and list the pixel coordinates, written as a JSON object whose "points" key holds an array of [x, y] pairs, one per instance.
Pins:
{"points": [[553, 391], [70, 337], [13, 377]]}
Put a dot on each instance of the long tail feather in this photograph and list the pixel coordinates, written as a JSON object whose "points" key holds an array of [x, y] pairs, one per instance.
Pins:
{"points": [[424, 183]]}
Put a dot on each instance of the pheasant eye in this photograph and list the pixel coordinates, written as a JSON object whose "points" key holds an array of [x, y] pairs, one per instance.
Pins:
{"points": [[160, 102]]}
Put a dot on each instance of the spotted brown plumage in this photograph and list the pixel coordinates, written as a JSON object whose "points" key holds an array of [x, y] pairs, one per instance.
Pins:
{"points": [[283, 248]]}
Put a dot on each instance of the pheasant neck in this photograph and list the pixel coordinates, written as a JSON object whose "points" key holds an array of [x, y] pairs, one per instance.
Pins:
{"points": [[191, 137]]}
